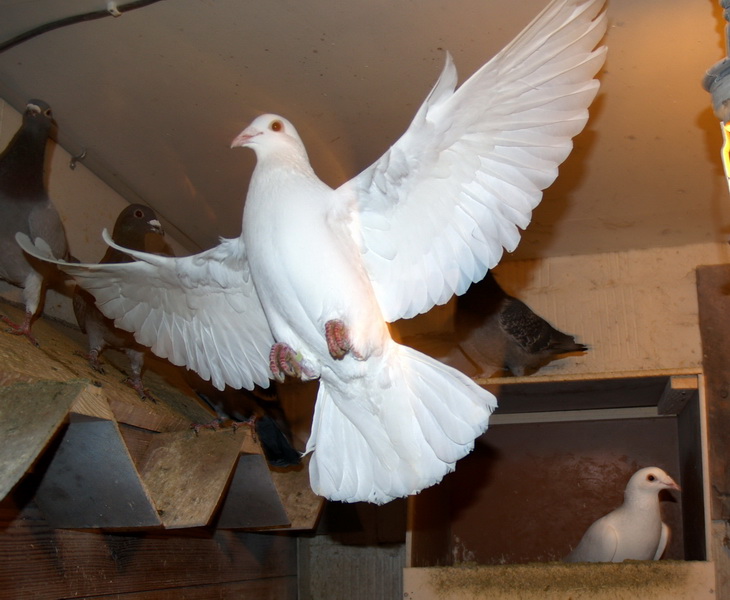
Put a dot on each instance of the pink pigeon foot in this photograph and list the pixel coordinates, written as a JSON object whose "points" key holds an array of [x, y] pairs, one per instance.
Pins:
{"points": [[215, 425], [338, 340], [93, 358], [23, 329], [136, 384], [247, 423], [284, 361]]}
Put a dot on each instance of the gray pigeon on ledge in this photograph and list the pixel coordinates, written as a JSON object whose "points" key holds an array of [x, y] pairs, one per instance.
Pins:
{"points": [[25, 207], [131, 230], [499, 330], [634, 531]]}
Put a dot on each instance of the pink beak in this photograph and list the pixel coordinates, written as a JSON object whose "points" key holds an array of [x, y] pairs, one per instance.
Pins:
{"points": [[245, 137], [672, 485]]}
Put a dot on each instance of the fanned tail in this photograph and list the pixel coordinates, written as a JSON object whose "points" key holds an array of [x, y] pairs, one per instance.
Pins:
{"points": [[396, 431]]}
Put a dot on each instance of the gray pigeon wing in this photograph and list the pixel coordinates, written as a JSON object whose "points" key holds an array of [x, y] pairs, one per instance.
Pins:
{"points": [[45, 222]]}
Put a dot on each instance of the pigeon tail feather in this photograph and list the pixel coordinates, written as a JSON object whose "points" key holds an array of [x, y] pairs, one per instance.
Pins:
{"points": [[396, 433]]}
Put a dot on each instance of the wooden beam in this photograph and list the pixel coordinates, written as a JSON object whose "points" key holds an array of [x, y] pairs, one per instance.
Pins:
{"points": [[713, 285]]}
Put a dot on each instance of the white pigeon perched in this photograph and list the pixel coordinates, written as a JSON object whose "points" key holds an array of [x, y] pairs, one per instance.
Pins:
{"points": [[317, 272], [634, 531]]}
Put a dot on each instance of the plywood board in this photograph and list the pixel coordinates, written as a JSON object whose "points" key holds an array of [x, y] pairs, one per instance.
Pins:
{"points": [[187, 474], [600, 581], [30, 415]]}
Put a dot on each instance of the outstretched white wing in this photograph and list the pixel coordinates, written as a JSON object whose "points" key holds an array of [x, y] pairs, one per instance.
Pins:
{"points": [[437, 209], [200, 311]]}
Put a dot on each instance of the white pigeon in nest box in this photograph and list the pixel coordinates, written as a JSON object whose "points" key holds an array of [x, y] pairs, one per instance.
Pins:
{"points": [[634, 531], [308, 288]]}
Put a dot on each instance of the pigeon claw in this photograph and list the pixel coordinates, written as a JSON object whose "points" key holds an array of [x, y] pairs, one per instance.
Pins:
{"points": [[284, 361], [23, 329], [215, 425], [93, 358], [248, 423], [338, 340], [136, 384]]}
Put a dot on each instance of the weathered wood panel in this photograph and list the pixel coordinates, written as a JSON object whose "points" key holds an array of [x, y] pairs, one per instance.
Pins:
{"points": [[713, 287], [269, 589], [40, 563]]}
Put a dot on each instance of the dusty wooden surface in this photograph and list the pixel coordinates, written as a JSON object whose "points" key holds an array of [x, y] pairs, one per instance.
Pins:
{"points": [[662, 580], [57, 358], [28, 422], [187, 474]]}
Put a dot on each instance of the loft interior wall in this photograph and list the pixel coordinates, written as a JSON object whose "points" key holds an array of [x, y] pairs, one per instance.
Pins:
{"points": [[156, 99], [86, 204]]}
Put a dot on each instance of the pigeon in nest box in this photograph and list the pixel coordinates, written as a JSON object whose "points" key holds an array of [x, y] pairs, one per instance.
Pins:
{"points": [[634, 531]]}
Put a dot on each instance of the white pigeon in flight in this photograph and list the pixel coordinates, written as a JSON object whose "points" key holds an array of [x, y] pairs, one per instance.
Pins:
{"points": [[634, 531], [317, 272]]}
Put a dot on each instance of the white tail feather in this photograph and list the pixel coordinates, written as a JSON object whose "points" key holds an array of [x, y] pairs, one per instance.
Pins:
{"points": [[397, 433]]}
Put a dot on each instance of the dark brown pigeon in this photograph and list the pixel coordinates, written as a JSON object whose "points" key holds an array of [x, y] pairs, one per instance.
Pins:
{"points": [[131, 230]]}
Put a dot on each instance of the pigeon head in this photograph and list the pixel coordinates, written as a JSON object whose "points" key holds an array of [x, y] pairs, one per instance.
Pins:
{"points": [[38, 114], [269, 134], [650, 480], [136, 219]]}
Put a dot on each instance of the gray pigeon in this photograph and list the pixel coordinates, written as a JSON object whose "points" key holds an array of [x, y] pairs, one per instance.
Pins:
{"points": [[634, 531], [131, 230], [26, 207], [500, 330]]}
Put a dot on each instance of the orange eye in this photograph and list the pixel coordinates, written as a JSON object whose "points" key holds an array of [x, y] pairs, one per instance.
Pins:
{"points": [[276, 126]]}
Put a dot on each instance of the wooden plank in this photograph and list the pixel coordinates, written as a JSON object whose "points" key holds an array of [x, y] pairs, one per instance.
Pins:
{"points": [[302, 505], [40, 563], [659, 580], [279, 588], [20, 361], [59, 358], [188, 474], [30, 415], [680, 389], [606, 414], [714, 317]]}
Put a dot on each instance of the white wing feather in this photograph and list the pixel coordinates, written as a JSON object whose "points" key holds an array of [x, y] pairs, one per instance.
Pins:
{"points": [[436, 210], [200, 311]]}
